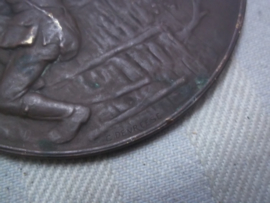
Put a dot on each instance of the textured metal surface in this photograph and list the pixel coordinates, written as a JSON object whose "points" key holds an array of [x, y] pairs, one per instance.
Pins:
{"points": [[140, 66]]}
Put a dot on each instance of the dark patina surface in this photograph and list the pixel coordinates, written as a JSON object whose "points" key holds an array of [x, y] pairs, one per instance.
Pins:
{"points": [[87, 76]]}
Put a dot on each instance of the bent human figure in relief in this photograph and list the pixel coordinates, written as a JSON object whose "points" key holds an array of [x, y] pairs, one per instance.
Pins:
{"points": [[38, 33]]}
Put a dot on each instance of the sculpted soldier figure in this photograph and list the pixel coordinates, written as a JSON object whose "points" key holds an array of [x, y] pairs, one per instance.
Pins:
{"points": [[39, 32]]}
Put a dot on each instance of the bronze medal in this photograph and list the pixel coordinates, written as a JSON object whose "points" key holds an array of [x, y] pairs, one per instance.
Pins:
{"points": [[89, 76]]}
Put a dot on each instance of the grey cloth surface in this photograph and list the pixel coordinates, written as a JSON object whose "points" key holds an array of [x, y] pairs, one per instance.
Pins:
{"points": [[219, 152]]}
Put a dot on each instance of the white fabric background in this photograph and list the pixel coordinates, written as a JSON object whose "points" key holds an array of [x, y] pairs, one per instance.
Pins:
{"points": [[218, 153]]}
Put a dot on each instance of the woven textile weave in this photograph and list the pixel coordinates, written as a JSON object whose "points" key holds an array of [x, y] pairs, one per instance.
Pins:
{"points": [[219, 152]]}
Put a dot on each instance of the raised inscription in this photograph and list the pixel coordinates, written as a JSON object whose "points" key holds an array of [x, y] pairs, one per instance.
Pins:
{"points": [[144, 124]]}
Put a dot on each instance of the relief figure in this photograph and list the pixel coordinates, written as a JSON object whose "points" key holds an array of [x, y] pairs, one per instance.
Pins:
{"points": [[38, 33]]}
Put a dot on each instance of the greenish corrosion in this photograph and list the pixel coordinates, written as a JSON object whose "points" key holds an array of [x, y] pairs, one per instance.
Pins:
{"points": [[46, 145], [179, 108], [84, 82], [201, 81], [96, 85]]}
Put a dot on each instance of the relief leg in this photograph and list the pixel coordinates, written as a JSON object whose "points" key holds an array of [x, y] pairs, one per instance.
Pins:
{"points": [[23, 70], [71, 116]]}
